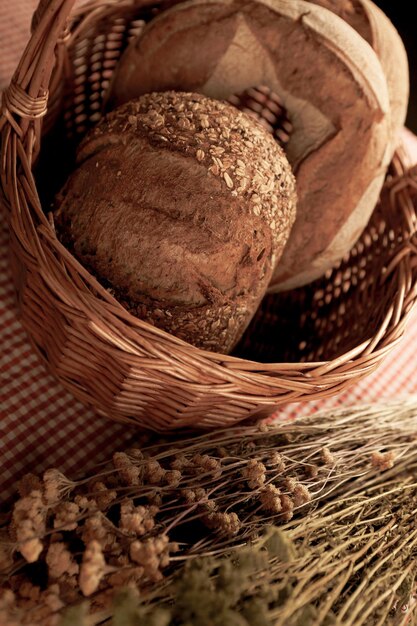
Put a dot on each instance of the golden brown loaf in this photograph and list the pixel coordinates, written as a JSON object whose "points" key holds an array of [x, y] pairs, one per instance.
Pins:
{"points": [[331, 83], [182, 206]]}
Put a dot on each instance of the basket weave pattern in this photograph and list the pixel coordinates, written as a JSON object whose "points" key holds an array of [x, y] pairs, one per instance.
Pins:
{"points": [[303, 345]]}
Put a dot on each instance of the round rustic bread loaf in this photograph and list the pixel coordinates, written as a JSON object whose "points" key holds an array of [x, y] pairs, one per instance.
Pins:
{"points": [[181, 205], [375, 27], [331, 83]]}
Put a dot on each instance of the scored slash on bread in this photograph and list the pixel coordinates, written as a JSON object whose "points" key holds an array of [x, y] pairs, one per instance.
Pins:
{"points": [[375, 27]]}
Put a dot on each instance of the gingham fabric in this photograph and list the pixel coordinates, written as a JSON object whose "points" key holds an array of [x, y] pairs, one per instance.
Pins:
{"points": [[41, 424]]}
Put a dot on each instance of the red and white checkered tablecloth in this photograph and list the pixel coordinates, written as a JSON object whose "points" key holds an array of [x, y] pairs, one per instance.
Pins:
{"points": [[41, 424]]}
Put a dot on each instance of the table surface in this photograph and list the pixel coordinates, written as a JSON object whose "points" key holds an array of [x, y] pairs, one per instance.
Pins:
{"points": [[41, 424]]}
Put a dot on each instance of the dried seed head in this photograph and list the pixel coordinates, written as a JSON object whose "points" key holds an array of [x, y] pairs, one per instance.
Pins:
{"points": [[67, 515], [153, 555], [227, 524], [29, 525], [128, 472], [383, 461], [98, 528], [29, 591], [102, 495], [188, 495], [290, 483], [135, 454], [154, 472], [56, 486], [254, 474], [270, 498], [208, 464], [301, 495], [60, 561], [327, 457], [180, 462], [86, 504], [263, 427], [173, 478], [155, 498], [53, 602], [276, 461], [137, 520], [312, 471], [92, 568], [287, 508], [29, 483]]}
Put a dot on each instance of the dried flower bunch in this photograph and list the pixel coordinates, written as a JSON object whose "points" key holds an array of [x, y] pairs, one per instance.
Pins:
{"points": [[351, 562], [163, 504]]}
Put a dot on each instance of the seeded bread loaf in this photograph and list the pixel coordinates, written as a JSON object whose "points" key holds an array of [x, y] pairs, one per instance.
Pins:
{"points": [[182, 206], [330, 82]]}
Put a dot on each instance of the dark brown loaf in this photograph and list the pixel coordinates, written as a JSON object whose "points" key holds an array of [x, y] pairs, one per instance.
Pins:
{"points": [[182, 205]]}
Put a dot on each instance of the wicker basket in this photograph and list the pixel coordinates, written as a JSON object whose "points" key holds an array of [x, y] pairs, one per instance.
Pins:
{"points": [[307, 344]]}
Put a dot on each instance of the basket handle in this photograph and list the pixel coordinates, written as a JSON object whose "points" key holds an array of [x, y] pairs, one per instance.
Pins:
{"points": [[38, 14], [27, 95]]}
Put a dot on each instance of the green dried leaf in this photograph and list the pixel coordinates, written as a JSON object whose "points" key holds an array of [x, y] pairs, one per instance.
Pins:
{"points": [[125, 609], [159, 617], [128, 611], [279, 545], [76, 616], [256, 613], [307, 616], [330, 620], [233, 618], [251, 559]]}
